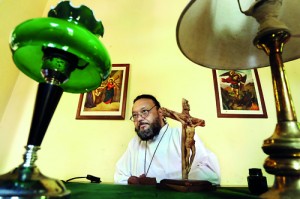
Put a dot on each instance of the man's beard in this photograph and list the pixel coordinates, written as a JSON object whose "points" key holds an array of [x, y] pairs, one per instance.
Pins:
{"points": [[149, 133]]}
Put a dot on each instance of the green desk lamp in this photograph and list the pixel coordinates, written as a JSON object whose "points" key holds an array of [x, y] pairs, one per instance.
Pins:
{"points": [[220, 35], [63, 53]]}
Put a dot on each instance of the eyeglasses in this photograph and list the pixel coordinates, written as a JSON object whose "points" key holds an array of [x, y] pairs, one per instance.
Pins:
{"points": [[144, 113]]}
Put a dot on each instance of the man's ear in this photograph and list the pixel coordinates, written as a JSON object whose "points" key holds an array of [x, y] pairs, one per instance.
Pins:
{"points": [[160, 112], [161, 115]]}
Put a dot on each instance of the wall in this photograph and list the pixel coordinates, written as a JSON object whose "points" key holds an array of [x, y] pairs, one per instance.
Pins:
{"points": [[141, 33], [13, 13]]}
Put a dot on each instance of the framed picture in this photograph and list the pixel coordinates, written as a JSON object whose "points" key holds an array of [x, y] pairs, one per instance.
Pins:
{"points": [[238, 94], [108, 101]]}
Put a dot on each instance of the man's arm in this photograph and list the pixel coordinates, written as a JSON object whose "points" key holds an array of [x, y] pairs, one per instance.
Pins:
{"points": [[122, 170], [123, 166]]}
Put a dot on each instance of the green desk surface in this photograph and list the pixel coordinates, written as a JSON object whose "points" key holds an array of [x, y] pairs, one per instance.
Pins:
{"points": [[107, 191]]}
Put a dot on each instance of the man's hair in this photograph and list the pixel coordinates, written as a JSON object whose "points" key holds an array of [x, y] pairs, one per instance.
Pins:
{"points": [[147, 96]]}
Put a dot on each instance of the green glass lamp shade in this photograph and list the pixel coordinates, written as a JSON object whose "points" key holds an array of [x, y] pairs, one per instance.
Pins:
{"points": [[62, 48], [78, 16]]}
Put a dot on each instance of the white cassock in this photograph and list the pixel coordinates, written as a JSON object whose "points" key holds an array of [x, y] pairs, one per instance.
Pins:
{"points": [[160, 158]]}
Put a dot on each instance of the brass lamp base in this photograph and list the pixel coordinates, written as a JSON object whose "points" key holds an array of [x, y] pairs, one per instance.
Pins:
{"points": [[26, 181], [284, 187]]}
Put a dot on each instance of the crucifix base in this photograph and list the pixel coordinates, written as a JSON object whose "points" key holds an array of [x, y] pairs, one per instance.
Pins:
{"points": [[186, 185]]}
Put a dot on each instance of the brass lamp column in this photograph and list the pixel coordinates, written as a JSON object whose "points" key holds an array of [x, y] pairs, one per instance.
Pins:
{"points": [[283, 147], [63, 54]]}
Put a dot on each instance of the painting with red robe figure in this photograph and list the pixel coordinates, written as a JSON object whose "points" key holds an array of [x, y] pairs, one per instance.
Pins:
{"points": [[238, 94], [108, 101]]}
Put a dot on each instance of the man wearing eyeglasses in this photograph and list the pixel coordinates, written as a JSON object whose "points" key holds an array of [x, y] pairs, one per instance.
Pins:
{"points": [[154, 153]]}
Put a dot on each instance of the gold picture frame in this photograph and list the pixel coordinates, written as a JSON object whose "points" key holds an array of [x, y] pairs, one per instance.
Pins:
{"points": [[238, 94], [108, 101]]}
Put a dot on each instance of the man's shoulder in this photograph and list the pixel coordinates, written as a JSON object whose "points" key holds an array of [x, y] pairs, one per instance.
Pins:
{"points": [[174, 130], [135, 139]]}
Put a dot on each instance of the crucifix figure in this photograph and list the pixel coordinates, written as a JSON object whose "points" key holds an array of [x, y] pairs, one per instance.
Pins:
{"points": [[189, 123]]}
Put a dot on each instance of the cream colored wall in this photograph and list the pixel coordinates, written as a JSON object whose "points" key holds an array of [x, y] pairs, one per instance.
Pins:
{"points": [[11, 14], [141, 33]]}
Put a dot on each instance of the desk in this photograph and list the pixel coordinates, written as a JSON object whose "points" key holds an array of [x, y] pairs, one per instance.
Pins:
{"points": [[111, 191]]}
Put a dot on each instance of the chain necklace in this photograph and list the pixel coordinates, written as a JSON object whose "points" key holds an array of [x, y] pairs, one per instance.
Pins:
{"points": [[145, 159]]}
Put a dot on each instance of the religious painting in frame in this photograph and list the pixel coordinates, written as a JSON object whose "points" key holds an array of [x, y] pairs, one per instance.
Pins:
{"points": [[238, 94], [108, 101]]}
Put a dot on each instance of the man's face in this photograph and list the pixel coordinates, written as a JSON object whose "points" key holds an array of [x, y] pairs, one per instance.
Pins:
{"points": [[147, 127]]}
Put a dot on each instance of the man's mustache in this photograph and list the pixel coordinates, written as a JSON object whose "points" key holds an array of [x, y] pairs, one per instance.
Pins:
{"points": [[142, 123]]}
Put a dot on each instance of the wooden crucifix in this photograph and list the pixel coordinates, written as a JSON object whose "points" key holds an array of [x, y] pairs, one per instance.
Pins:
{"points": [[189, 123]]}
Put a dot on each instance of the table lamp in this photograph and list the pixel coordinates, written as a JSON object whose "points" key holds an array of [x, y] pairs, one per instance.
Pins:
{"points": [[63, 53], [228, 34]]}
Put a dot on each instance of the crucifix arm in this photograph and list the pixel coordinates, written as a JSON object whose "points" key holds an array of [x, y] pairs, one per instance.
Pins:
{"points": [[172, 114], [197, 122]]}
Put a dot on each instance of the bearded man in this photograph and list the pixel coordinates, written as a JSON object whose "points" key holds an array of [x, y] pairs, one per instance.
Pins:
{"points": [[154, 153]]}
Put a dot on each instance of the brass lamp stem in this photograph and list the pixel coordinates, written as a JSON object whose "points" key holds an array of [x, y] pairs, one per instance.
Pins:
{"points": [[284, 104], [283, 147]]}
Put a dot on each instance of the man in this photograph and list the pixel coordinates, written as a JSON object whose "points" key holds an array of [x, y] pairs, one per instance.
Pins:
{"points": [[155, 153]]}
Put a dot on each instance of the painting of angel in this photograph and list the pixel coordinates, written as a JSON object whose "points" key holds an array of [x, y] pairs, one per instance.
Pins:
{"points": [[238, 93]]}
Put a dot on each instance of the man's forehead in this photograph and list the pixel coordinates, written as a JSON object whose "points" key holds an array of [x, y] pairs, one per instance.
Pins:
{"points": [[142, 103]]}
